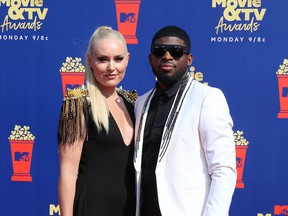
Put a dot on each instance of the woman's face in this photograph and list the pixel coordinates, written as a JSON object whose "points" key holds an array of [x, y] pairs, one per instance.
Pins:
{"points": [[108, 59]]}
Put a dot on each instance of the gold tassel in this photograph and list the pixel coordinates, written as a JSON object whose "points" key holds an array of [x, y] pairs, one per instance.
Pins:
{"points": [[73, 108]]}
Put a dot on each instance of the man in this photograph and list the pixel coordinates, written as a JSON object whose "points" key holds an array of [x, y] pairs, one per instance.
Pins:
{"points": [[185, 151]]}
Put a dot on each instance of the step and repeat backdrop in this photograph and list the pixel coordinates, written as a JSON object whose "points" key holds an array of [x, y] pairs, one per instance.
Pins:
{"points": [[239, 46]]}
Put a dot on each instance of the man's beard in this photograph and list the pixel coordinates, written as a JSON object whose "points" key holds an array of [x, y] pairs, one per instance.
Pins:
{"points": [[169, 80]]}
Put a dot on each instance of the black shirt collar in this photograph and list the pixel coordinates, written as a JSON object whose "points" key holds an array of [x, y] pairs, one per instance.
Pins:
{"points": [[172, 90]]}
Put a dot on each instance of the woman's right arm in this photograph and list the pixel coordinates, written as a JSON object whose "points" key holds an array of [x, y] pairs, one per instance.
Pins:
{"points": [[69, 157]]}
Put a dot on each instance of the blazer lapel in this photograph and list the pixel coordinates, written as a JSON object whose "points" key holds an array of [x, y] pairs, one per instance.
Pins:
{"points": [[172, 117], [143, 108]]}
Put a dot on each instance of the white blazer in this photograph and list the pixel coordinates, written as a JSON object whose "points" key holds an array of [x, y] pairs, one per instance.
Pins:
{"points": [[196, 174]]}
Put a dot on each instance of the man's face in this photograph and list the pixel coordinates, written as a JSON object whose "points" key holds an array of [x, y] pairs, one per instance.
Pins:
{"points": [[166, 64]]}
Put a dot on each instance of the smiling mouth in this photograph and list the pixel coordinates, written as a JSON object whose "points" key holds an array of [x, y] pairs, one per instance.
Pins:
{"points": [[111, 76]]}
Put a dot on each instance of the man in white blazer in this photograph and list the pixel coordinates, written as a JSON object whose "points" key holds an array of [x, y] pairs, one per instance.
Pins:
{"points": [[184, 147]]}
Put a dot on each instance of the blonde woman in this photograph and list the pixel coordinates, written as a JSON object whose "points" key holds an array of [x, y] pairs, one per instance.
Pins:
{"points": [[96, 135]]}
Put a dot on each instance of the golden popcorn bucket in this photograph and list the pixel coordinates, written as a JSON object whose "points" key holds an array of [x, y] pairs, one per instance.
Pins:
{"points": [[21, 152], [283, 95], [74, 79], [240, 162], [127, 19]]}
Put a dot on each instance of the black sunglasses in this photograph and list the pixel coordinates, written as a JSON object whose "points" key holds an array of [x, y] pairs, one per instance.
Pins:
{"points": [[176, 51]]}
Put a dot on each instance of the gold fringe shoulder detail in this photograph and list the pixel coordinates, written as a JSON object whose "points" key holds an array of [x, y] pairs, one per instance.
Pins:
{"points": [[74, 109], [130, 96]]}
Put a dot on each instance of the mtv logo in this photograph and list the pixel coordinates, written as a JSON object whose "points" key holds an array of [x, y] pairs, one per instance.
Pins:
{"points": [[285, 92], [22, 156], [70, 86], [239, 162], [127, 17], [280, 210]]}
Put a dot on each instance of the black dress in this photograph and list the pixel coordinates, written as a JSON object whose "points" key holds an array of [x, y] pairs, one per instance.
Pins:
{"points": [[106, 179]]}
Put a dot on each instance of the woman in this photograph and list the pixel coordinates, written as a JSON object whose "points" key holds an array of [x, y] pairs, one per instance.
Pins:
{"points": [[96, 133]]}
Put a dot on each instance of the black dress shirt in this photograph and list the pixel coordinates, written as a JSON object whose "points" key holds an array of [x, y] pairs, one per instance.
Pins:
{"points": [[160, 106]]}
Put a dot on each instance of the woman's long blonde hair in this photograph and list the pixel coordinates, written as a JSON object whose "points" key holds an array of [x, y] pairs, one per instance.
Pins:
{"points": [[99, 108]]}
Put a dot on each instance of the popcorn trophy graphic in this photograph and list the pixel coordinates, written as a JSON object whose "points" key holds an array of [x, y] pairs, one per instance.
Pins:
{"points": [[127, 18], [241, 148], [282, 75], [72, 73], [21, 144]]}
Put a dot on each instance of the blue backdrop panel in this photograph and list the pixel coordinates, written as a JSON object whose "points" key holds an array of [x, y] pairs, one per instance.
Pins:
{"points": [[240, 46]]}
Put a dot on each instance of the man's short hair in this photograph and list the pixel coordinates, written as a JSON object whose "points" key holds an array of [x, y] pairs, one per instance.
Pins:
{"points": [[173, 31]]}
